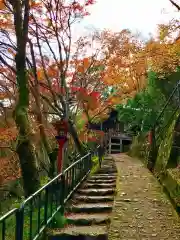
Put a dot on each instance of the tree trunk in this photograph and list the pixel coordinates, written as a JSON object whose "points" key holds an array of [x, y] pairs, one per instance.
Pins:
{"points": [[50, 167], [25, 148], [40, 121], [39, 116], [74, 135], [71, 127]]}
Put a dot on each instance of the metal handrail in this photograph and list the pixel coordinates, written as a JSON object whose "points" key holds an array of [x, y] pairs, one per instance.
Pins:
{"points": [[173, 112], [168, 101], [45, 203]]}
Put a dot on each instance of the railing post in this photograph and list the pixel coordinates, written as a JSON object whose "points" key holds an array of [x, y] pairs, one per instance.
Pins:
{"points": [[109, 145], [46, 206], [90, 161], [178, 93], [106, 139], [19, 223], [153, 152], [63, 194], [100, 154]]}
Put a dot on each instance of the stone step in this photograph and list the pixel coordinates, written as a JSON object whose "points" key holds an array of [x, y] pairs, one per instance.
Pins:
{"points": [[108, 166], [103, 176], [96, 191], [88, 219], [93, 199], [90, 207], [108, 163], [106, 171], [107, 181], [78, 231], [99, 185], [108, 158], [103, 164]]}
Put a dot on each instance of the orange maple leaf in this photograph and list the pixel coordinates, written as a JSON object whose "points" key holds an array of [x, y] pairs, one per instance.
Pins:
{"points": [[2, 5], [11, 51]]}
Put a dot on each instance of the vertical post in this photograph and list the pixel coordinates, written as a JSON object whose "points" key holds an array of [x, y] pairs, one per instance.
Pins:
{"points": [[152, 152], [65, 154], [105, 143], [61, 142], [63, 195], [90, 160], [121, 145], [46, 206], [19, 223], [100, 155], [179, 93], [110, 145], [62, 129]]}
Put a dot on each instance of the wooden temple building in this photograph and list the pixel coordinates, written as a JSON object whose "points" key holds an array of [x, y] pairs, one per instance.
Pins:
{"points": [[117, 140]]}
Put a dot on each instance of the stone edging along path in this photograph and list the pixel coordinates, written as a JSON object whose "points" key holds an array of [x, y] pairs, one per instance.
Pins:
{"points": [[88, 213]]}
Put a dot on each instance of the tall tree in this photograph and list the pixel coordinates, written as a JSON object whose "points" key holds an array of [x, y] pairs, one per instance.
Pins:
{"points": [[58, 20], [25, 148], [162, 53], [126, 66], [17, 12]]}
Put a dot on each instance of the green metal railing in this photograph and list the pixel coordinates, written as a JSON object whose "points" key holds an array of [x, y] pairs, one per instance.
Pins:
{"points": [[163, 120], [37, 212]]}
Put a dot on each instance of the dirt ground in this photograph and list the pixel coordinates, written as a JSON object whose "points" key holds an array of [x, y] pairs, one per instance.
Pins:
{"points": [[141, 208]]}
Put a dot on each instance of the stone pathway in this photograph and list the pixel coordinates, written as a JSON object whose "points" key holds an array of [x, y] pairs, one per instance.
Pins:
{"points": [[141, 210]]}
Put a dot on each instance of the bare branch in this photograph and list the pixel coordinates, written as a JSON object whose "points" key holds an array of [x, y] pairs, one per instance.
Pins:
{"points": [[7, 65], [175, 4], [50, 104]]}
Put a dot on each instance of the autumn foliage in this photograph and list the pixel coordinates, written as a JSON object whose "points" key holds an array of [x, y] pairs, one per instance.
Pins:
{"points": [[60, 81]]}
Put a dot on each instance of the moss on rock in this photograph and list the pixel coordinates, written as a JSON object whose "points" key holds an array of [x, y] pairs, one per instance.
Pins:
{"points": [[139, 147], [164, 150]]}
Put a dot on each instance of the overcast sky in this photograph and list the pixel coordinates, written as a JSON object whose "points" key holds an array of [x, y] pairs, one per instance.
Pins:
{"points": [[137, 15]]}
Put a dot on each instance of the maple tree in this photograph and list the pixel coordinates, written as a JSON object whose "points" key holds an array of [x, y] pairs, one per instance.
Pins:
{"points": [[163, 52], [58, 20], [87, 86], [23, 35], [126, 67], [16, 14]]}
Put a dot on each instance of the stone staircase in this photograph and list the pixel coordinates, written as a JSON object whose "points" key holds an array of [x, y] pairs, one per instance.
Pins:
{"points": [[88, 213]]}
